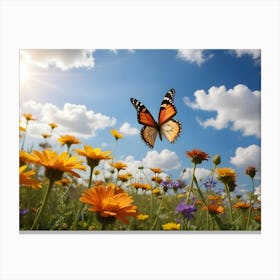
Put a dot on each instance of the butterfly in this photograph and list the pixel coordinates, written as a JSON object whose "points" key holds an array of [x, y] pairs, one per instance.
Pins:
{"points": [[165, 126]]}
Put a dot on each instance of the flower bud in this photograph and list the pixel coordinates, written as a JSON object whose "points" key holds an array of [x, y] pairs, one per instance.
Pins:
{"points": [[216, 160], [251, 171]]}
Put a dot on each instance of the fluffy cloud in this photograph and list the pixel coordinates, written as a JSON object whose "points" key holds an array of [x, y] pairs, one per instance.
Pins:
{"points": [[248, 156], [238, 106], [194, 56], [62, 58], [167, 160], [71, 119], [127, 129], [254, 53], [200, 173]]}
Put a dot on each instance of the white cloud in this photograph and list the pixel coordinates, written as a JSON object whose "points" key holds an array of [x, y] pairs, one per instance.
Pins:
{"points": [[254, 53], [247, 156], [238, 106], [61, 58], [200, 173], [166, 160], [127, 129], [194, 56], [71, 119]]}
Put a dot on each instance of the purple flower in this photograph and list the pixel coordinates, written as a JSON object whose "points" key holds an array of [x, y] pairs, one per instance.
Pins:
{"points": [[178, 184], [23, 211], [210, 184], [186, 210]]}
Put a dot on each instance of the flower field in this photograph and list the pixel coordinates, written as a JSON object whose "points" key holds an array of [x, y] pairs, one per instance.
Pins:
{"points": [[71, 191]]}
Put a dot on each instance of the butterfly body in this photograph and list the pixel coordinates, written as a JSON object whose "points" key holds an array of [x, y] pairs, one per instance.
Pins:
{"points": [[165, 126]]}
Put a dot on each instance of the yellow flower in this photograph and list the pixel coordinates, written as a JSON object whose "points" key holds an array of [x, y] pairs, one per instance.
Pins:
{"points": [[93, 155], [156, 191], [109, 204], [53, 125], [119, 165], [156, 179], [171, 226], [123, 177], [55, 164], [116, 134], [142, 217], [64, 182], [144, 187], [22, 129], [96, 172], [46, 135], [25, 158], [156, 170], [68, 140], [227, 176], [29, 117], [26, 180]]}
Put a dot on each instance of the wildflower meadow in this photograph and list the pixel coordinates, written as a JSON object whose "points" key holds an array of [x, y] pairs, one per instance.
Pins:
{"points": [[71, 190]]}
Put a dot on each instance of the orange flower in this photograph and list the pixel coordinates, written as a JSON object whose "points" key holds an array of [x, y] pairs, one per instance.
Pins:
{"points": [[25, 158], [119, 165], [156, 179], [197, 156], [68, 140], [55, 164], [227, 176], [241, 205], [46, 135], [29, 117], [156, 170], [124, 177], [64, 182], [109, 204], [214, 198], [22, 129], [214, 209], [26, 180], [144, 187], [93, 155], [53, 125]]}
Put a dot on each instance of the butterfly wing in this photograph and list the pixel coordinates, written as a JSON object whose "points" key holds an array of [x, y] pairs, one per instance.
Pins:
{"points": [[171, 130], [149, 134], [167, 108], [151, 128], [169, 127], [143, 115]]}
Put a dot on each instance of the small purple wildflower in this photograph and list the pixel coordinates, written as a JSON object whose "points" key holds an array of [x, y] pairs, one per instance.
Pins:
{"points": [[210, 184], [23, 211], [186, 210], [175, 185]]}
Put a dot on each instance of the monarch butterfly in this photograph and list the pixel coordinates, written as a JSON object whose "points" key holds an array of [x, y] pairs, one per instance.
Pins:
{"points": [[165, 126]]}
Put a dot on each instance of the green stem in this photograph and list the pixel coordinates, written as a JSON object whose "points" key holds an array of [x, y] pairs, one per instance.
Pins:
{"points": [[159, 208], [47, 194], [250, 209], [229, 203], [191, 184], [90, 177], [217, 219]]}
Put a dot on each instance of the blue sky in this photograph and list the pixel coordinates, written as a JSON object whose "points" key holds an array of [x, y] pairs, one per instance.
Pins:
{"points": [[87, 93]]}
